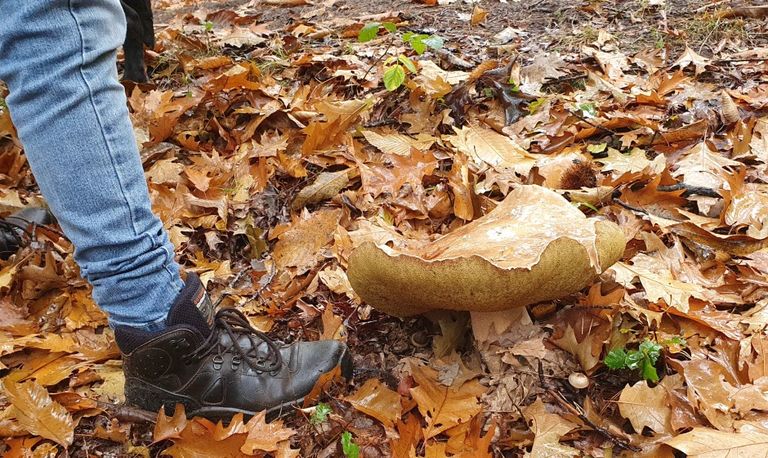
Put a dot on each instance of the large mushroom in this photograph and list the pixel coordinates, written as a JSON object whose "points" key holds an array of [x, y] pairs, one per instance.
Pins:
{"points": [[534, 246]]}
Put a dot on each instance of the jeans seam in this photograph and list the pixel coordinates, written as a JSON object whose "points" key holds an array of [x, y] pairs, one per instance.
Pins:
{"points": [[96, 113]]}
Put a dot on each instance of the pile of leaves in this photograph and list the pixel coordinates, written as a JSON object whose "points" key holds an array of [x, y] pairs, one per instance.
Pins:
{"points": [[266, 150]]}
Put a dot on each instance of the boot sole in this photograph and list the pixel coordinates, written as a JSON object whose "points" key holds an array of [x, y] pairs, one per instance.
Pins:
{"points": [[152, 398]]}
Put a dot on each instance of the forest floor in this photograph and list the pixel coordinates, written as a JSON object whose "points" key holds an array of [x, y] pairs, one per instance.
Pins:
{"points": [[272, 150]]}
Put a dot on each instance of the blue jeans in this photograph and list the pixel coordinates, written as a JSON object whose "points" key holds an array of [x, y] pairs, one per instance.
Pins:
{"points": [[58, 59]]}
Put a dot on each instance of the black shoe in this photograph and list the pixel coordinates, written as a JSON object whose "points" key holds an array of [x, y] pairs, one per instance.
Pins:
{"points": [[217, 365], [15, 229]]}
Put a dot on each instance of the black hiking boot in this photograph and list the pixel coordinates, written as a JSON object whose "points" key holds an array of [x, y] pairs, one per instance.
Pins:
{"points": [[217, 365]]}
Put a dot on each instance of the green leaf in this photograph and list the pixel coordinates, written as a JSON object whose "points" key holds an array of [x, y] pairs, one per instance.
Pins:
{"points": [[536, 104], [634, 359], [368, 32], [390, 26], [597, 148], [649, 371], [679, 341], [350, 449], [408, 36], [652, 350], [208, 26], [616, 359], [588, 110], [320, 414], [586, 204], [434, 41], [418, 44], [515, 87], [394, 77], [408, 63]]}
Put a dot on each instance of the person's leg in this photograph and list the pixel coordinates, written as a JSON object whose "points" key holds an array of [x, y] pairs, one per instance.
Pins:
{"points": [[58, 59]]}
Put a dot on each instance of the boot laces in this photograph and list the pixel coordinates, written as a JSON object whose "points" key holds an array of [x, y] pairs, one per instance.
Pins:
{"points": [[235, 324]]}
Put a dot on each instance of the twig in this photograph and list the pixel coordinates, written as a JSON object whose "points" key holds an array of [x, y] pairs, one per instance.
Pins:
{"points": [[689, 189], [706, 7], [596, 126], [454, 60], [577, 410], [629, 207], [124, 412], [376, 62], [564, 79], [745, 59]]}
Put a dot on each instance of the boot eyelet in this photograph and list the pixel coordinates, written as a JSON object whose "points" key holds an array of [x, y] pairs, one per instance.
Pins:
{"points": [[236, 362], [217, 362]]}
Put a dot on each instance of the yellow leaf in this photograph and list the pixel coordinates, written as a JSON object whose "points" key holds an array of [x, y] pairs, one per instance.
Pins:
{"points": [[263, 436], [37, 413], [443, 407], [396, 143], [378, 401]]}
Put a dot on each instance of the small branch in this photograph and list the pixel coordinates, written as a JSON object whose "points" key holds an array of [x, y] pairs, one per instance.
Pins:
{"points": [[577, 410], [689, 189], [630, 207], [124, 412], [376, 62], [706, 7], [745, 59], [564, 79], [453, 59], [596, 126]]}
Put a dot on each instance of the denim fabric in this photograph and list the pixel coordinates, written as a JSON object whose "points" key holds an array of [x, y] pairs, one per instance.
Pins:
{"points": [[58, 59]]}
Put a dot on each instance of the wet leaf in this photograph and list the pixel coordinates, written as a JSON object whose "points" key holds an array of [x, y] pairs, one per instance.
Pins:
{"points": [[646, 407], [263, 436], [38, 413], [443, 407], [378, 401]]}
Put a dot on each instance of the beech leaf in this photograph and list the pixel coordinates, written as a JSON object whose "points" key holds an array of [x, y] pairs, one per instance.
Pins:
{"points": [[37, 413]]}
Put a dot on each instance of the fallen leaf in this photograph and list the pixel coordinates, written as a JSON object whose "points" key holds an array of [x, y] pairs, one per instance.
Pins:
{"points": [[263, 436], [443, 407], [378, 401], [690, 57], [396, 143], [701, 442], [486, 146], [325, 186], [548, 428], [170, 428], [333, 326], [644, 406], [37, 413], [301, 246], [478, 15]]}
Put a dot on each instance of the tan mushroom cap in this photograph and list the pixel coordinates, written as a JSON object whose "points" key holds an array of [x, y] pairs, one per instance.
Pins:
{"points": [[534, 246]]}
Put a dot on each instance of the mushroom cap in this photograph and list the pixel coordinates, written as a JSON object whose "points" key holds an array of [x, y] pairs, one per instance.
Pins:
{"points": [[497, 262]]}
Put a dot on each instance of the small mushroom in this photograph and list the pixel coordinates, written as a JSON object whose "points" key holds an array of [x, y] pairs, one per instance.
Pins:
{"points": [[578, 380]]}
